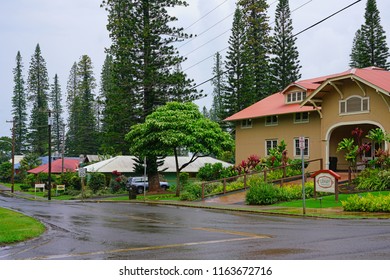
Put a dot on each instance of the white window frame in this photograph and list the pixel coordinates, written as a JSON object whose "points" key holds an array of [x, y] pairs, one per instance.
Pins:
{"points": [[343, 106], [295, 97], [301, 119], [297, 151], [247, 123], [274, 144], [272, 122]]}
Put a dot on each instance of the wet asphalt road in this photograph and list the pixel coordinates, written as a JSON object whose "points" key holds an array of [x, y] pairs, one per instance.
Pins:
{"points": [[120, 231]]}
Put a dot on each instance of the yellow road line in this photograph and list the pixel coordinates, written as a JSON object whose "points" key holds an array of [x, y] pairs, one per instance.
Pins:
{"points": [[247, 236]]}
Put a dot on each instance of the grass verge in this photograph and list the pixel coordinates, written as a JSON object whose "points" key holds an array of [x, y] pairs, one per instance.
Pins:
{"points": [[16, 227]]}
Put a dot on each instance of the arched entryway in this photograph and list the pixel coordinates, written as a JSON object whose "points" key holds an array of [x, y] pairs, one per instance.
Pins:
{"points": [[337, 133]]}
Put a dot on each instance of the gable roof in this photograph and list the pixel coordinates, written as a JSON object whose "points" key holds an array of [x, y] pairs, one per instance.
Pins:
{"points": [[271, 105], [375, 77], [274, 104]]}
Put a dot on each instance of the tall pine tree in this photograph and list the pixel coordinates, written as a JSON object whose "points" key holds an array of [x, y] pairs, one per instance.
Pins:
{"points": [[219, 85], [257, 44], [19, 107], [369, 45], [87, 136], [144, 66], [56, 113], [285, 57], [74, 111], [38, 85], [235, 96]]}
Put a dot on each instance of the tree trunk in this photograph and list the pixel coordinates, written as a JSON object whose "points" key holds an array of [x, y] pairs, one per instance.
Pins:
{"points": [[177, 174], [152, 171]]}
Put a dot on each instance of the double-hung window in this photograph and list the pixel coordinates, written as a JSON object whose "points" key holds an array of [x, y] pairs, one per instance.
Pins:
{"points": [[270, 144], [297, 150], [301, 117]]}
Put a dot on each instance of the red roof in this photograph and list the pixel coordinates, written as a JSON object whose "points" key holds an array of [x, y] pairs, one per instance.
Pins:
{"points": [[56, 166], [271, 105], [275, 104]]}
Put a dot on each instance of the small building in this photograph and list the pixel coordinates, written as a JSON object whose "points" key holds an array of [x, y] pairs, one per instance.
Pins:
{"points": [[323, 110]]}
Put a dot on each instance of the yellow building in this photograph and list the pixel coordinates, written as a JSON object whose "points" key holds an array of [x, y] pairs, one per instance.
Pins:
{"points": [[323, 110]]}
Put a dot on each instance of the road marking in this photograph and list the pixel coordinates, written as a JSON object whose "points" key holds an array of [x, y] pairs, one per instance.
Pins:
{"points": [[247, 236], [240, 233]]}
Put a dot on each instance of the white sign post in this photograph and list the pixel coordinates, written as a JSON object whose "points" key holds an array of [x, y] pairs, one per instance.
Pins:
{"points": [[302, 149]]}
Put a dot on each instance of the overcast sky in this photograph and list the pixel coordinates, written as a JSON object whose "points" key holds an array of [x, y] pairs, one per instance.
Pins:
{"points": [[68, 29]]}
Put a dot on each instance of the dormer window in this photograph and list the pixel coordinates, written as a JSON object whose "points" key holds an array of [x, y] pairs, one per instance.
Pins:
{"points": [[354, 105], [295, 97]]}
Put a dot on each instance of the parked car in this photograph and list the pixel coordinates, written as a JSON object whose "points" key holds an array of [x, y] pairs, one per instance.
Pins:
{"points": [[139, 183]]}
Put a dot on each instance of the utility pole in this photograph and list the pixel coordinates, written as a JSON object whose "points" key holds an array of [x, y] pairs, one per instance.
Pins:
{"points": [[50, 123], [13, 155]]}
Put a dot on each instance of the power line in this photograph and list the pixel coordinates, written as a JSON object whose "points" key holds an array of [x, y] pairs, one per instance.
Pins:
{"points": [[328, 17], [308, 28], [223, 33], [205, 15]]}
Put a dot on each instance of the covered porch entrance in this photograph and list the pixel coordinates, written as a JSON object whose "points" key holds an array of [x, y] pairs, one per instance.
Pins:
{"points": [[336, 160]]}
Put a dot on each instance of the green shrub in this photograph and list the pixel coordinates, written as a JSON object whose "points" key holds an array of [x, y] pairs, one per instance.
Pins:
{"points": [[184, 177], [75, 182], [373, 180], [262, 194], [368, 203], [266, 193], [191, 192], [24, 187], [97, 181]]}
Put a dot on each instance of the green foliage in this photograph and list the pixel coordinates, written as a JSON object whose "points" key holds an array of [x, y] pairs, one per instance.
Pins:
{"points": [[373, 180], [82, 133], [38, 85], [184, 177], [369, 45], [5, 171], [368, 203], [97, 181], [55, 99], [285, 60], [350, 148], [19, 107], [266, 193], [210, 172], [75, 182]]}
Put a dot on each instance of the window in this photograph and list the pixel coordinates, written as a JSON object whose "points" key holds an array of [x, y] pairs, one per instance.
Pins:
{"points": [[246, 123], [297, 150], [354, 104], [297, 96], [301, 117], [271, 120], [270, 144]]}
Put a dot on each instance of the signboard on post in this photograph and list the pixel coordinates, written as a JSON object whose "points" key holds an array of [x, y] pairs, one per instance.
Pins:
{"points": [[326, 181], [82, 172]]}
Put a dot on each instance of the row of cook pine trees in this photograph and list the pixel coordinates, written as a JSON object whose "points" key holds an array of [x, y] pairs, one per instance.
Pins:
{"points": [[141, 73]]}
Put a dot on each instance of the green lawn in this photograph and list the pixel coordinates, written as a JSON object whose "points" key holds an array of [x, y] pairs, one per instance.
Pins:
{"points": [[16, 227], [325, 201]]}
